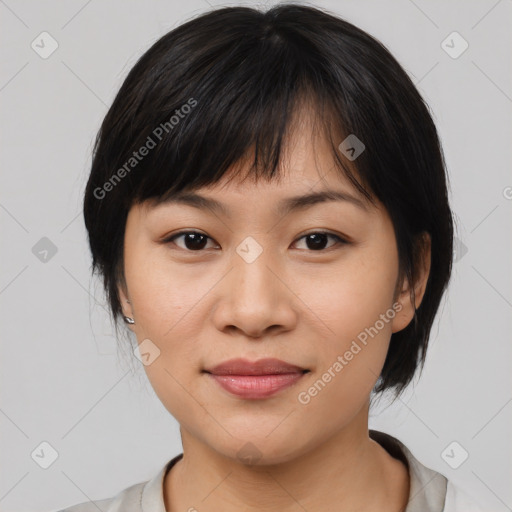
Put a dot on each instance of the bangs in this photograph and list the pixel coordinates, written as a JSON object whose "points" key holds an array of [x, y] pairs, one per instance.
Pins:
{"points": [[199, 123]]}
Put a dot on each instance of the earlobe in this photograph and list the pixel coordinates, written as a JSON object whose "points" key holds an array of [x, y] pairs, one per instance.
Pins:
{"points": [[405, 298], [403, 312], [125, 306]]}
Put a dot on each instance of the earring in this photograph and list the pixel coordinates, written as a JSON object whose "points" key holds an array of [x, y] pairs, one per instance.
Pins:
{"points": [[127, 319]]}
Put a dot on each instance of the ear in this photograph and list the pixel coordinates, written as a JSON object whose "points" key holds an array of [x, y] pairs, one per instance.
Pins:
{"points": [[422, 262]]}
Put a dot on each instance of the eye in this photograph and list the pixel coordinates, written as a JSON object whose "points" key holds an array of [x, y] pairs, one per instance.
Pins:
{"points": [[193, 240], [316, 241], [196, 241]]}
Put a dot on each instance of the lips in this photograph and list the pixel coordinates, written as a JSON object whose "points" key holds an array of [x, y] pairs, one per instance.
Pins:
{"points": [[268, 366]]}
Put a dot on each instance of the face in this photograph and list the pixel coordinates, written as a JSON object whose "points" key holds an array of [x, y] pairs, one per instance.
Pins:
{"points": [[313, 286]]}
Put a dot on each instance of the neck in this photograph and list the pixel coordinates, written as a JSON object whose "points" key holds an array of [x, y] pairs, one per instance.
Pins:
{"points": [[349, 471]]}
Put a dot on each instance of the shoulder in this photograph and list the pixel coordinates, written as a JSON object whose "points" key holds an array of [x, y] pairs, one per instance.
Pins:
{"points": [[430, 491], [457, 500], [144, 496], [127, 500]]}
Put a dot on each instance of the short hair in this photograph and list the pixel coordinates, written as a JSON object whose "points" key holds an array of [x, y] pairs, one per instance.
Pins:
{"points": [[224, 86]]}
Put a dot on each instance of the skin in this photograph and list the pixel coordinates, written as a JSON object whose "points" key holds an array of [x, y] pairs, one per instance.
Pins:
{"points": [[295, 303]]}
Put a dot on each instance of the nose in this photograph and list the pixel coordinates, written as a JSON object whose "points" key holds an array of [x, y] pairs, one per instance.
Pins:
{"points": [[255, 299]]}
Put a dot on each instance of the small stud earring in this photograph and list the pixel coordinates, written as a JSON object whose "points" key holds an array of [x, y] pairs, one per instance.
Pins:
{"points": [[128, 319]]}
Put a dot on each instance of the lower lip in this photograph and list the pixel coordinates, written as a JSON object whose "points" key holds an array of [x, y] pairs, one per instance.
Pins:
{"points": [[256, 386]]}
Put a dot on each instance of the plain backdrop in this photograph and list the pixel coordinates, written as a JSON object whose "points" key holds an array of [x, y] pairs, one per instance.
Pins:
{"points": [[67, 393]]}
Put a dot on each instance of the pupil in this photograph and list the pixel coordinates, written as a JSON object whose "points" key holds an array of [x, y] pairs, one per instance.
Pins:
{"points": [[198, 241], [318, 240]]}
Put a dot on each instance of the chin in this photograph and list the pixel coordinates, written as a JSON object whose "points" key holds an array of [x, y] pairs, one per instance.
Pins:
{"points": [[255, 451]]}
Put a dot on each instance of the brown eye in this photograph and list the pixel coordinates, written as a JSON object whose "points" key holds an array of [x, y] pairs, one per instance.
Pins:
{"points": [[317, 241], [192, 240]]}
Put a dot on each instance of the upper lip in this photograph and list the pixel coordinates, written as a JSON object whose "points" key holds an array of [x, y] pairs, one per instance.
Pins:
{"points": [[268, 366]]}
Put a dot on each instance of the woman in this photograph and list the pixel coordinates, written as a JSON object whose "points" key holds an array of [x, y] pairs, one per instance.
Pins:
{"points": [[268, 209]]}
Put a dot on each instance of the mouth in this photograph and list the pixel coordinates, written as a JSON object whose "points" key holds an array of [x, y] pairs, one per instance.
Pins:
{"points": [[256, 380]]}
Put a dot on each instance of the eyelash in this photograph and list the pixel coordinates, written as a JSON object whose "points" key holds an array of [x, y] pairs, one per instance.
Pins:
{"points": [[340, 240]]}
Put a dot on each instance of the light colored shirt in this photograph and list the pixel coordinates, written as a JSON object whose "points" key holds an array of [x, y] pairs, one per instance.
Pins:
{"points": [[430, 491]]}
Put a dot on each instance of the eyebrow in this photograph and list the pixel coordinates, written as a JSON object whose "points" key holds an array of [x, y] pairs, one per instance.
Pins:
{"points": [[286, 206]]}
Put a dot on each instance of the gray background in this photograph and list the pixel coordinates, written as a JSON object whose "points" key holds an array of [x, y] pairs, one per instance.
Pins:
{"points": [[63, 381]]}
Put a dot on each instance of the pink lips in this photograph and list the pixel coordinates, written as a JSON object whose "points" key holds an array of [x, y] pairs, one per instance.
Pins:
{"points": [[255, 380]]}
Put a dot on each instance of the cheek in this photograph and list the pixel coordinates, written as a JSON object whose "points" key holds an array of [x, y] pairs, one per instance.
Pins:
{"points": [[166, 294], [348, 365], [353, 295], [355, 303], [169, 312]]}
